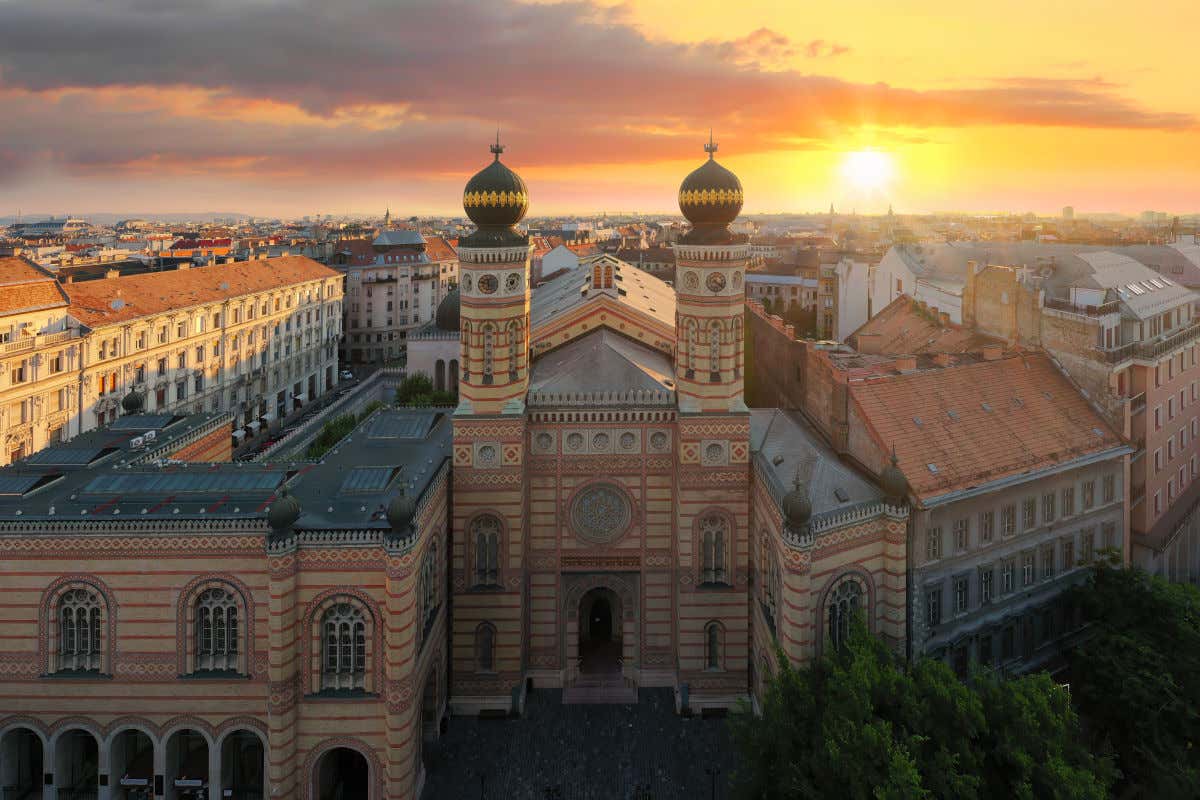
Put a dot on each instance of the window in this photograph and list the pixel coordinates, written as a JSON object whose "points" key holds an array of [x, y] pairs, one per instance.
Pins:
{"points": [[986, 588], [962, 595], [713, 532], [1110, 488], [1068, 554], [489, 344], [216, 631], [714, 348], [1008, 576], [513, 350], [985, 648], [345, 640], [844, 602], [79, 631], [485, 533], [429, 589], [987, 521], [1047, 562], [933, 602], [1068, 501], [1089, 494], [933, 544], [1029, 513], [1008, 520], [1108, 532], [1048, 507], [962, 534], [1027, 569], [1008, 641], [712, 646], [485, 648]]}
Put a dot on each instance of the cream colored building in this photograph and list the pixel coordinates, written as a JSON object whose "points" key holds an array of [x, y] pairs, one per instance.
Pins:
{"points": [[257, 339]]}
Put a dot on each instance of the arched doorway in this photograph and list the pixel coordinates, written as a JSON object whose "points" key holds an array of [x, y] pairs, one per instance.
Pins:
{"points": [[77, 765], [131, 765], [21, 765], [600, 632], [343, 774], [453, 376], [439, 375], [242, 766], [187, 766]]}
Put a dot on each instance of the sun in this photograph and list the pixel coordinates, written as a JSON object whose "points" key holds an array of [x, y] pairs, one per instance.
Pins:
{"points": [[868, 170]]}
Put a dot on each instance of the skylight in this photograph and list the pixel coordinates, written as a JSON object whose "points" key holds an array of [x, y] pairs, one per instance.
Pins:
{"points": [[1133, 287], [933, 468]]}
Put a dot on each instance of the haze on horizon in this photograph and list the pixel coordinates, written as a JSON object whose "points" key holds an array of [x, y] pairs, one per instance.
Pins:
{"points": [[293, 107]]}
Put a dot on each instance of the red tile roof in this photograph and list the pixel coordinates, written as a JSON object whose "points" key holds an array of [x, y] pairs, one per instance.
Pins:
{"points": [[1033, 418], [157, 292], [26, 287], [438, 249], [903, 327], [359, 251]]}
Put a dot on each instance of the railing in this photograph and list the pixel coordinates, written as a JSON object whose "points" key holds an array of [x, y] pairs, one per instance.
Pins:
{"points": [[1111, 307], [1149, 350], [1136, 495], [41, 340], [1137, 404]]}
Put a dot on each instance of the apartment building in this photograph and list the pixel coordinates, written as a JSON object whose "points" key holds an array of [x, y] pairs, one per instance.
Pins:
{"points": [[257, 339], [393, 286]]}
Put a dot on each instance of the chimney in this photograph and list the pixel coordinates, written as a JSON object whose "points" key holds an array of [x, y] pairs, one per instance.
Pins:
{"points": [[943, 360], [112, 273], [905, 363], [944, 319], [992, 352]]}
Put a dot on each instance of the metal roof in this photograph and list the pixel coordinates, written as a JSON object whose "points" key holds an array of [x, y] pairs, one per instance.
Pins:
{"points": [[185, 482], [143, 422], [20, 485], [69, 456], [368, 479]]}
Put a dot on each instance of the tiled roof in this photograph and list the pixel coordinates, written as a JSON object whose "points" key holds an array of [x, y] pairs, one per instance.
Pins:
{"points": [[438, 249], [962, 426], [359, 251], [25, 287], [902, 327], [158, 292]]}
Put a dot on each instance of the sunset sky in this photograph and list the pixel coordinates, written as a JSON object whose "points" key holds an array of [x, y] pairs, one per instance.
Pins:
{"points": [[306, 106]]}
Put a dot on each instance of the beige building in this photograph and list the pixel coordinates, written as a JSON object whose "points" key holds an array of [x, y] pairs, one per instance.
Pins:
{"points": [[41, 351], [257, 339]]}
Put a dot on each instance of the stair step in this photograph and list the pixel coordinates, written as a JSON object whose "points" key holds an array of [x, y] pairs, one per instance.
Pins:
{"points": [[617, 694]]}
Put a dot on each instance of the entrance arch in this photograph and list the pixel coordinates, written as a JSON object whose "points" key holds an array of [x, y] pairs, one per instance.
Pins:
{"points": [[187, 765], [600, 632], [77, 763], [21, 763], [131, 765], [243, 766], [342, 773]]}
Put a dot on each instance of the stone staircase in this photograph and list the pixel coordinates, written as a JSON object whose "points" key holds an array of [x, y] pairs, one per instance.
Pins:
{"points": [[601, 687]]}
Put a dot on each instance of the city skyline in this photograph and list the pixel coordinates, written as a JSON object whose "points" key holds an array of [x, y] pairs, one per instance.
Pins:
{"points": [[118, 108]]}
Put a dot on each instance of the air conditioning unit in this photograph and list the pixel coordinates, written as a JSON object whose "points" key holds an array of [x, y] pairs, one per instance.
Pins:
{"points": [[149, 436], [137, 442]]}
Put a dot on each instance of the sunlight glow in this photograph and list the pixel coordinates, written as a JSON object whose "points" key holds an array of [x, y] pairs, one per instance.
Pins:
{"points": [[868, 170]]}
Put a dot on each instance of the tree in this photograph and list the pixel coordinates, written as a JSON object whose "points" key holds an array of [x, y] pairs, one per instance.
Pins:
{"points": [[859, 723], [1136, 678], [417, 390]]}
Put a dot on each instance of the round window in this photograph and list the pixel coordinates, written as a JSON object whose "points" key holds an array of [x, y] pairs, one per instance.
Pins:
{"points": [[488, 284]]}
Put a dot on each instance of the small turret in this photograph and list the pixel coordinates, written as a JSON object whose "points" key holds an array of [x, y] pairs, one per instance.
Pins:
{"points": [[283, 513]]}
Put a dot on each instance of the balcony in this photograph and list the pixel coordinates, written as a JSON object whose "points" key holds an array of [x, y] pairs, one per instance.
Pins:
{"points": [[1113, 307], [1151, 350], [1137, 404], [37, 342]]}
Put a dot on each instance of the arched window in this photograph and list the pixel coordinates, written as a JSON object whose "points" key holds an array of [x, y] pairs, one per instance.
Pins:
{"points": [[714, 538], [464, 343], [738, 347], [489, 346], [485, 533], [692, 344], [514, 343], [344, 629], [217, 630], [429, 589], [80, 626], [714, 350], [712, 646], [485, 648], [844, 602]]}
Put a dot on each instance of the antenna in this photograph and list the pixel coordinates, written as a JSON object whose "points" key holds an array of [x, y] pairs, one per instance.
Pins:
{"points": [[497, 148]]}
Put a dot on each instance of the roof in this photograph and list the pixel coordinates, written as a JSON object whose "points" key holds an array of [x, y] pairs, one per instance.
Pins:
{"points": [[633, 287], [438, 249], [902, 327], [783, 441], [959, 427], [26, 287], [602, 361], [399, 237], [1143, 292], [92, 302]]}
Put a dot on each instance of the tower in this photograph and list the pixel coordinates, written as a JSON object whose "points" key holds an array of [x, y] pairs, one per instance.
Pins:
{"points": [[494, 280], [489, 472], [710, 270]]}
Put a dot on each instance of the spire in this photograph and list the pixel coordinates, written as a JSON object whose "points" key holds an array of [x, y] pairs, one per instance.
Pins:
{"points": [[797, 481], [711, 147], [497, 148]]}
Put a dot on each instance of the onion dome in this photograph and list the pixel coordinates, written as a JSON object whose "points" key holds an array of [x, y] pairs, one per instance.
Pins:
{"points": [[447, 315], [892, 480], [133, 403], [797, 507], [496, 196], [712, 195], [400, 511], [283, 512]]}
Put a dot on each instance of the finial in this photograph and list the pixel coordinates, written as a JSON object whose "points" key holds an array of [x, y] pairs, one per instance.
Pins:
{"points": [[796, 481], [711, 147], [497, 148], [895, 460]]}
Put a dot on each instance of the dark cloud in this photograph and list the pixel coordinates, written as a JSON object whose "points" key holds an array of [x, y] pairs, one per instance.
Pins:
{"points": [[290, 85]]}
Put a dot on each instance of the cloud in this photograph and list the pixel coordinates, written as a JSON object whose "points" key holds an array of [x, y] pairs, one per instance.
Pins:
{"points": [[288, 88]]}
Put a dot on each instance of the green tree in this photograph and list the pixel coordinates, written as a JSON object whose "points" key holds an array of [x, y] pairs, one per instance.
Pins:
{"points": [[859, 723], [417, 390], [1136, 678]]}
